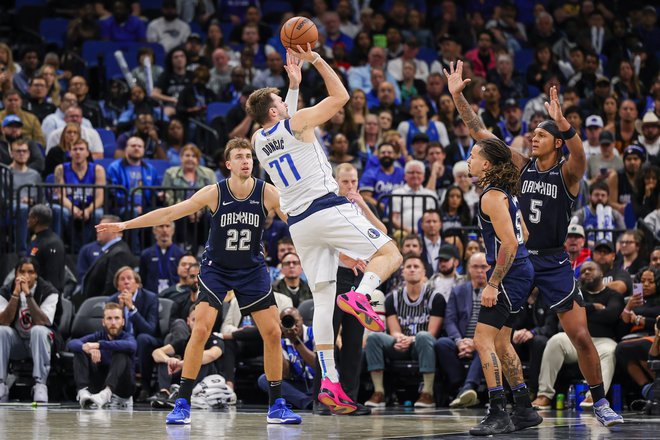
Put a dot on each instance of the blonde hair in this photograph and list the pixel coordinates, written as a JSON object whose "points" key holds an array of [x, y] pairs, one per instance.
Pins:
{"points": [[10, 57], [62, 144]]}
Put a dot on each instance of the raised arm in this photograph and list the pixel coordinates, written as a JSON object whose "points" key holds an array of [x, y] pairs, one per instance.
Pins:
{"points": [[294, 72], [576, 165], [305, 120], [205, 197]]}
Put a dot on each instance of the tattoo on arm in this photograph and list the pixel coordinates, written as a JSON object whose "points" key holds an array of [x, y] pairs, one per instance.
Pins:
{"points": [[298, 134], [504, 261], [496, 370], [512, 368], [468, 115]]}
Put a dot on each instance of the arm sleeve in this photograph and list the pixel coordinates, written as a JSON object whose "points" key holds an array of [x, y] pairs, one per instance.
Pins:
{"points": [[292, 101]]}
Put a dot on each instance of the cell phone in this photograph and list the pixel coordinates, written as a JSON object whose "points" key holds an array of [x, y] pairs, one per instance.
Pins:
{"points": [[638, 290], [604, 171]]}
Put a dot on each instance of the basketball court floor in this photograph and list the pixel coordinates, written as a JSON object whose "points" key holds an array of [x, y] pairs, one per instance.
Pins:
{"points": [[68, 422]]}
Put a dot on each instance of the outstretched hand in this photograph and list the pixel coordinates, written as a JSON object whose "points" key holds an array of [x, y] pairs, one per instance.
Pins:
{"points": [[554, 106], [111, 227], [455, 81], [293, 69], [306, 54]]}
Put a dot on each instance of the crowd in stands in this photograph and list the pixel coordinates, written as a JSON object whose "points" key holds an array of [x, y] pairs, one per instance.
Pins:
{"points": [[111, 146]]}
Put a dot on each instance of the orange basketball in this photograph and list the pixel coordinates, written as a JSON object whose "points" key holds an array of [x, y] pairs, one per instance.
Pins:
{"points": [[299, 31]]}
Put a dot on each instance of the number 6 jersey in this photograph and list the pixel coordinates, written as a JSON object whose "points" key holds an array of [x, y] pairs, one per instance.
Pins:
{"points": [[236, 228], [300, 170]]}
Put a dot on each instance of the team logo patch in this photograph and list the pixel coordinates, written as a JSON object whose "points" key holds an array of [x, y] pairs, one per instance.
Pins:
{"points": [[373, 233]]}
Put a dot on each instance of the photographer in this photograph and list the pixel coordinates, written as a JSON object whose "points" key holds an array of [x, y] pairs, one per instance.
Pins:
{"points": [[298, 360]]}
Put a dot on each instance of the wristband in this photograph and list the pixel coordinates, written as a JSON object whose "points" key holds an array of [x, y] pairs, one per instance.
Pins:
{"points": [[638, 319], [493, 285], [568, 133], [316, 59]]}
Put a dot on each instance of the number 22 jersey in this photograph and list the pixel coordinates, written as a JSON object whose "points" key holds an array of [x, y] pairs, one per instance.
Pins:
{"points": [[300, 170]]}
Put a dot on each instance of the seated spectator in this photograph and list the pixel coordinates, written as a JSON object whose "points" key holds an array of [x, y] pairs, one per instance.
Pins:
{"points": [[459, 148], [193, 47], [598, 214], [512, 84], [103, 363], [139, 72], [606, 161], [447, 276], [147, 131], [574, 245], [458, 346], [234, 91], [290, 284], [438, 175], [139, 103], [141, 310], [221, 70], [37, 102], [649, 129], [340, 122], [283, 247], [543, 67], [454, 210], [631, 257], [98, 279], [61, 153], [30, 61], [622, 183], [82, 28], [436, 131], [56, 119], [536, 104], [28, 307], [170, 357], [158, 263], [614, 277], [624, 131], [603, 306], [431, 242], [133, 172], [298, 361], [410, 51], [194, 99], [274, 75], [387, 101], [46, 246], [513, 125], [407, 211], [81, 204], [639, 318], [168, 30], [414, 321], [22, 175], [185, 292], [482, 57], [74, 115], [174, 141], [90, 108], [464, 182], [647, 191], [121, 26], [31, 128], [381, 180], [173, 79], [655, 258], [339, 153]]}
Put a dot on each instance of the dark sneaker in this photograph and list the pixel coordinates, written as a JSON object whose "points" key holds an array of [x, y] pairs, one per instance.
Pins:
{"points": [[495, 422], [525, 418], [361, 410]]}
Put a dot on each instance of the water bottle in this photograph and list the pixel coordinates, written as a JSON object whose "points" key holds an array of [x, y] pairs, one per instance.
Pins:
{"points": [[247, 320], [570, 397]]}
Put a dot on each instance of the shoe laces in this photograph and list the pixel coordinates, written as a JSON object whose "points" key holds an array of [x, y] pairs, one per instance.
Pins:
{"points": [[606, 411]]}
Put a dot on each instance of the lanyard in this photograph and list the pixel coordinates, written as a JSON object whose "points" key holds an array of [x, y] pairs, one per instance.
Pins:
{"points": [[465, 155], [163, 260]]}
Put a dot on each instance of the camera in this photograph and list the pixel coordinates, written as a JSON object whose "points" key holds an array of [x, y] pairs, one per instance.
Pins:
{"points": [[288, 321]]}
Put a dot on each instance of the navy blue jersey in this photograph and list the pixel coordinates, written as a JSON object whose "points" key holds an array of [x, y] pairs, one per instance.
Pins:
{"points": [[546, 205], [236, 228], [491, 241], [80, 197]]}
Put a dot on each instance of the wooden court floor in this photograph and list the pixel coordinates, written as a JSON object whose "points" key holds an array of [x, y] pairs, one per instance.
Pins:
{"points": [[71, 423]]}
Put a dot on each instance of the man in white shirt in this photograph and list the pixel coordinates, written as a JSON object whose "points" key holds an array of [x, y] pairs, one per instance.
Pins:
{"points": [[169, 30], [410, 51], [446, 277], [56, 120], [406, 211], [594, 124], [649, 129], [74, 115]]}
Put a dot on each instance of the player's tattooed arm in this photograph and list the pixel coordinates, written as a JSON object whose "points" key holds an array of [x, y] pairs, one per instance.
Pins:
{"points": [[505, 258], [472, 120]]}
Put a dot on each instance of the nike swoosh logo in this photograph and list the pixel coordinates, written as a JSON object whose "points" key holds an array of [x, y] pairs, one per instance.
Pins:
{"points": [[563, 261], [227, 203]]}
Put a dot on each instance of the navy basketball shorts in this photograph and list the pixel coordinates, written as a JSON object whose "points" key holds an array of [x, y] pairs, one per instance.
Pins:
{"points": [[513, 292], [251, 287], [555, 280]]}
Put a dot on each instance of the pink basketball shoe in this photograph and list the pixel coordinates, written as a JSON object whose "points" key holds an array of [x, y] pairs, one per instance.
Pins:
{"points": [[332, 396], [358, 305]]}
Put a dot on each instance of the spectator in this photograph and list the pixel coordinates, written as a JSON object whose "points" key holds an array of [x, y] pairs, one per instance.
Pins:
{"points": [[333, 33], [46, 247], [614, 277], [357, 109], [194, 99], [585, 80], [140, 71], [606, 162], [655, 258], [186, 291], [639, 318], [31, 127], [646, 191], [537, 103], [435, 86], [169, 30], [62, 151], [598, 214], [447, 276], [410, 52], [460, 146], [462, 180], [284, 246], [626, 85], [147, 131], [28, 308], [22, 175], [414, 321], [158, 263], [449, 51], [121, 26], [103, 363], [252, 16], [193, 48], [512, 84], [53, 87], [454, 210], [275, 230], [340, 122], [407, 211], [506, 29], [438, 175], [29, 66], [492, 112], [81, 204], [139, 104], [482, 57], [190, 175], [649, 130], [90, 108], [290, 284], [221, 71], [387, 101], [37, 102], [141, 310], [603, 306], [409, 85], [250, 41], [173, 80], [376, 182], [458, 346], [624, 131], [56, 120], [574, 244], [360, 77], [169, 360], [359, 56], [431, 240], [98, 279], [420, 123], [298, 362], [236, 88], [512, 126], [273, 75], [594, 126], [74, 115], [339, 153], [544, 66], [174, 141], [630, 249], [82, 28], [622, 183]]}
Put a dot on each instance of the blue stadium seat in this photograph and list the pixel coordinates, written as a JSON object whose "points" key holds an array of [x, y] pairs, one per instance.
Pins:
{"points": [[629, 216], [91, 50], [226, 29], [105, 162], [130, 51], [523, 58], [22, 3], [427, 54], [533, 91], [151, 4], [161, 166], [216, 109], [272, 11], [109, 142], [53, 30]]}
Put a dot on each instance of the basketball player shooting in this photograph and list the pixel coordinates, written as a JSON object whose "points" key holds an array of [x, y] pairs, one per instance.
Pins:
{"points": [[322, 224]]}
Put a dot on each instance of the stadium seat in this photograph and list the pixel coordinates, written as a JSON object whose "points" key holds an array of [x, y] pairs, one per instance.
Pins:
{"points": [[427, 54], [226, 29], [92, 49], [105, 162], [151, 4], [306, 309], [533, 91], [161, 166], [216, 109], [109, 142], [130, 51], [165, 307], [53, 30], [272, 10], [64, 324], [523, 58], [23, 3], [88, 317]]}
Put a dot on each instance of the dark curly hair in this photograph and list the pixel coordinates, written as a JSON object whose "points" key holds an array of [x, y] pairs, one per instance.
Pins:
{"points": [[503, 174]]}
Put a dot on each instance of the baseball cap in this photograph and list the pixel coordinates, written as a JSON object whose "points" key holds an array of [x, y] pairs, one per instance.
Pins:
{"points": [[509, 103], [594, 121], [576, 230], [420, 137], [635, 149], [447, 37], [604, 243], [194, 36], [603, 80], [11, 119], [606, 137], [447, 251]]}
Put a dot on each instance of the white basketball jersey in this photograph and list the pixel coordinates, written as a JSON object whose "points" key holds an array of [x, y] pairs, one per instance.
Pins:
{"points": [[300, 170]]}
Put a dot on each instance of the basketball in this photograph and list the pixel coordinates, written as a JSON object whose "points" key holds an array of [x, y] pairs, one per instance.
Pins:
{"points": [[298, 31]]}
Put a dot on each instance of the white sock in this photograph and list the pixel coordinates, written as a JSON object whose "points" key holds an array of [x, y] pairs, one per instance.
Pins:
{"points": [[324, 308], [328, 368], [369, 283]]}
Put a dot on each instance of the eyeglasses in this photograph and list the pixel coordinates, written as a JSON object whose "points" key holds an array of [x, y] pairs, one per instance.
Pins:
{"points": [[290, 263]]}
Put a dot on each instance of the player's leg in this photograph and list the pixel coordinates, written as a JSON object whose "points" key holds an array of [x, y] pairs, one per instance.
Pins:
{"points": [[268, 323]]}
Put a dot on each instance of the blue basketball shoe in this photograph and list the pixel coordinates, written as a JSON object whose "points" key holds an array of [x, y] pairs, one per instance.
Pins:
{"points": [[180, 415], [281, 414]]}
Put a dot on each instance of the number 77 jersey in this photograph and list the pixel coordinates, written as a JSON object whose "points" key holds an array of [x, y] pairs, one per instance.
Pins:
{"points": [[546, 204], [300, 170]]}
